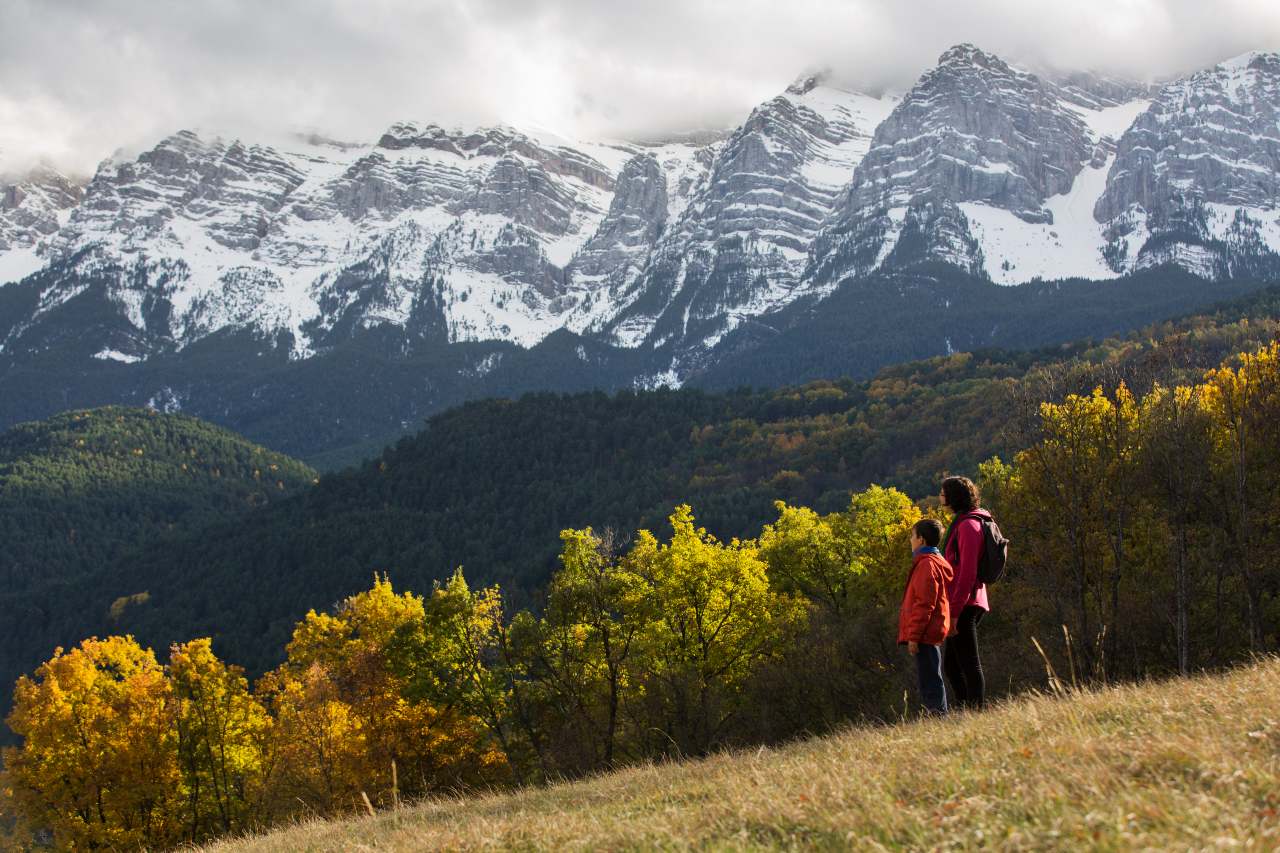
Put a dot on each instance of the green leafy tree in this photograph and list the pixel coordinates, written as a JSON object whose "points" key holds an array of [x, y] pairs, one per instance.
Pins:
{"points": [[459, 655], [717, 619], [840, 559], [597, 609], [223, 742]]}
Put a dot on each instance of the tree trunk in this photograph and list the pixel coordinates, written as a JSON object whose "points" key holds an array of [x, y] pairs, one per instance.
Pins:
{"points": [[1181, 604]]}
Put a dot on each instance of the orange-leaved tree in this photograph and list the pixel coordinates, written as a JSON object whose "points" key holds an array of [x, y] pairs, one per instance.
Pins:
{"points": [[344, 726], [97, 766]]}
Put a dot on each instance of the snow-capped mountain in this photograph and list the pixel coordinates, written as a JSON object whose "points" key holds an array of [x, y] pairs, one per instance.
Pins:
{"points": [[740, 246], [1015, 176], [198, 235], [1196, 178], [444, 237], [33, 206], [982, 166]]}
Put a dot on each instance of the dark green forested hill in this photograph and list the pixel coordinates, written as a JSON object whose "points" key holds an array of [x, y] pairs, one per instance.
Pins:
{"points": [[78, 487], [79, 490], [488, 485], [880, 320], [369, 386]]}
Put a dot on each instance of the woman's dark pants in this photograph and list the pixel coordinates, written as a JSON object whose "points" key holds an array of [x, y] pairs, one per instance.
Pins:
{"points": [[963, 666]]}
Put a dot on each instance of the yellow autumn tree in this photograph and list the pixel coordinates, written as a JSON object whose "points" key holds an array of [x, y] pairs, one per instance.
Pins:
{"points": [[97, 766], [715, 620], [1245, 403], [345, 727], [1176, 460], [318, 743], [223, 739], [1061, 504]]}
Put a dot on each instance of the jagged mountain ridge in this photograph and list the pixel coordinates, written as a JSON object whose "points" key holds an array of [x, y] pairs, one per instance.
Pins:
{"points": [[322, 236], [33, 207], [973, 132], [1015, 176], [1197, 176], [448, 236], [740, 249]]}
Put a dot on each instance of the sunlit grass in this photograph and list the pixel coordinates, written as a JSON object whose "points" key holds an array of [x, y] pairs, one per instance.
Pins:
{"points": [[1175, 765]]}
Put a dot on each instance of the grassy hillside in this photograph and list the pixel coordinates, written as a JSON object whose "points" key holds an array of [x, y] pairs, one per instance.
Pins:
{"points": [[1188, 764]]}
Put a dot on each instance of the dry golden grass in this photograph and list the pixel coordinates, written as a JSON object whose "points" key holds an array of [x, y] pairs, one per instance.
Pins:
{"points": [[1178, 765]]}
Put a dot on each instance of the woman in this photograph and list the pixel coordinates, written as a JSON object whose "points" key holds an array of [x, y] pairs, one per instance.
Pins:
{"points": [[968, 597]]}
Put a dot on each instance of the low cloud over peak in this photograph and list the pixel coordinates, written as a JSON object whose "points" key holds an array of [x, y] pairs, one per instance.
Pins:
{"points": [[79, 80]]}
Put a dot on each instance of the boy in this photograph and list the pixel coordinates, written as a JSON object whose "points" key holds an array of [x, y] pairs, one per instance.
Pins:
{"points": [[925, 618]]}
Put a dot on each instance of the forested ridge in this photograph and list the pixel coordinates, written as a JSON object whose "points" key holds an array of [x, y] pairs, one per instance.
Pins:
{"points": [[79, 490], [78, 487], [488, 485]]}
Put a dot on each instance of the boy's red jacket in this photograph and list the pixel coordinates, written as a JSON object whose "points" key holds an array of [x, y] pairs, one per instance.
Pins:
{"points": [[926, 616]]}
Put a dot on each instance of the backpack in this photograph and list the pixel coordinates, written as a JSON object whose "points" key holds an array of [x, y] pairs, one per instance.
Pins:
{"points": [[995, 551]]}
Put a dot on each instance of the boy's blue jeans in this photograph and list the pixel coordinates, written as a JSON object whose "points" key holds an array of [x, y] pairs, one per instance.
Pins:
{"points": [[933, 693]]}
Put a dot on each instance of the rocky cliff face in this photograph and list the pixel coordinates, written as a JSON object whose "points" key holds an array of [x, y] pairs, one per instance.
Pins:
{"points": [[1095, 92], [738, 250], [442, 236], [1196, 179], [33, 206], [973, 130], [314, 237], [1013, 176], [637, 217]]}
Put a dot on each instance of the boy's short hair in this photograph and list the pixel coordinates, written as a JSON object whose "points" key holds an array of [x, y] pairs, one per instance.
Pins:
{"points": [[930, 531]]}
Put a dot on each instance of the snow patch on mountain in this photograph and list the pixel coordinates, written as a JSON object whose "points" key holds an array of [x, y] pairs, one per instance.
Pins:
{"points": [[17, 264], [116, 355], [1112, 122], [1068, 247]]}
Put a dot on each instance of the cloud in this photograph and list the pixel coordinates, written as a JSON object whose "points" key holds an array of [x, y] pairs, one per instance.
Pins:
{"points": [[81, 78]]}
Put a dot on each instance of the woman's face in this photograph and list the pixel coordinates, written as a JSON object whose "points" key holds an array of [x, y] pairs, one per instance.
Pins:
{"points": [[943, 495]]}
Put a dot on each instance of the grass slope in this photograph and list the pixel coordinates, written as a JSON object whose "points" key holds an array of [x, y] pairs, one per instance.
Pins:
{"points": [[1185, 764]]}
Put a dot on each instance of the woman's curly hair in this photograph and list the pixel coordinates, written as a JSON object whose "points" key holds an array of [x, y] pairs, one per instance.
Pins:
{"points": [[962, 494]]}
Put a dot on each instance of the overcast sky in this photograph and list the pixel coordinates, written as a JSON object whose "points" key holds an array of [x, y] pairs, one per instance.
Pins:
{"points": [[82, 78]]}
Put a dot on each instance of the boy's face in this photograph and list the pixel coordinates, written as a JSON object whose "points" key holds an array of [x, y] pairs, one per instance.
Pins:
{"points": [[916, 542]]}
